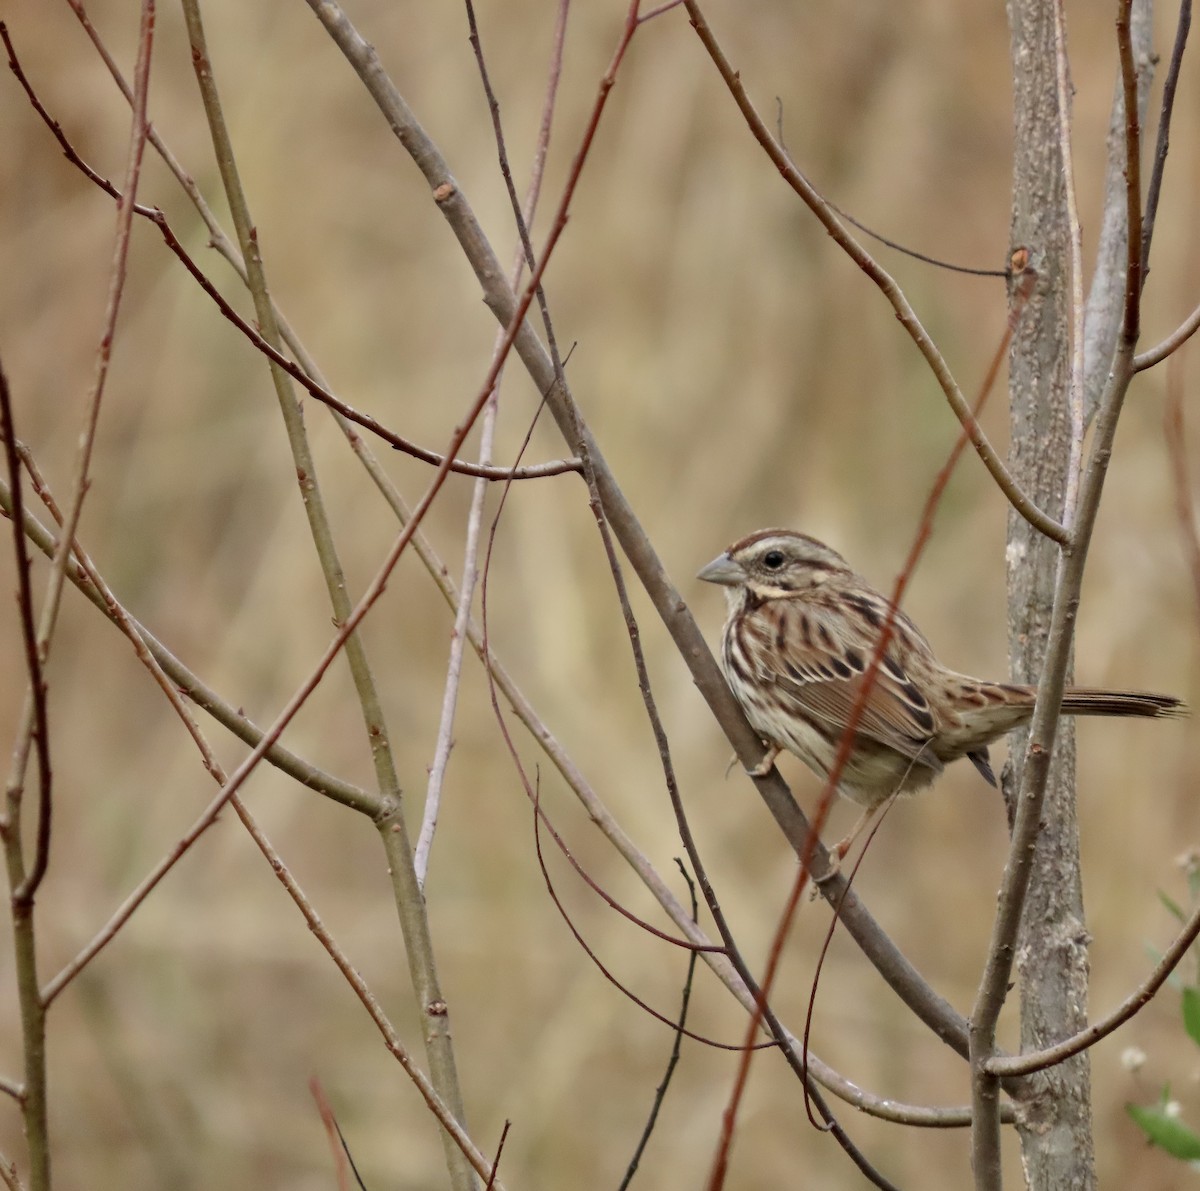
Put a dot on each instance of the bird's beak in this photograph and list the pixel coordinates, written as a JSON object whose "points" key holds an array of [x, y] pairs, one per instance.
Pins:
{"points": [[723, 570]]}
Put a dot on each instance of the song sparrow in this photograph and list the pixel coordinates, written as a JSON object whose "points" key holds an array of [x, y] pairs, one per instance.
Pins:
{"points": [[799, 636]]}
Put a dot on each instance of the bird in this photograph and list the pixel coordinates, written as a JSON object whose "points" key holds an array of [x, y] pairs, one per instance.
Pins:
{"points": [[799, 635]]}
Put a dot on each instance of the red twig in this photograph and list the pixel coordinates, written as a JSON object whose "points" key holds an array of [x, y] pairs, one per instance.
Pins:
{"points": [[333, 1134]]}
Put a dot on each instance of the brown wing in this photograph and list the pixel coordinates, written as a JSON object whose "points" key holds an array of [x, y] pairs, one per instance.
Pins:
{"points": [[820, 661]]}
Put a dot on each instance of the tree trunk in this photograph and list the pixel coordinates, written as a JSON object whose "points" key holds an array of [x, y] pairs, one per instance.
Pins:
{"points": [[1052, 963]]}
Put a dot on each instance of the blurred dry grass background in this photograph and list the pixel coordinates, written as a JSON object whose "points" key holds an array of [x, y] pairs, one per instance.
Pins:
{"points": [[738, 372]]}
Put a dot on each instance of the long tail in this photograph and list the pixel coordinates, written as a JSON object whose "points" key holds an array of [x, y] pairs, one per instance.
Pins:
{"points": [[1092, 701]]}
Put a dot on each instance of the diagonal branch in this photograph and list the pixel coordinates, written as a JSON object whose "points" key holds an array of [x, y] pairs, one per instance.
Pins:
{"points": [[931, 1008]]}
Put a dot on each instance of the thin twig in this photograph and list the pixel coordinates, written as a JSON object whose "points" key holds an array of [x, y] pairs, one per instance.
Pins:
{"points": [[885, 282], [491, 1182], [466, 593], [88, 581], [317, 390], [676, 1047], [818, 967], [36, 690], [1026, 1064], [8, 1174], [842, 213], [1131, 323], [538, 819], [1163, 140], [424, 1085], [81, 482], [54, 584], [24, 879], [1174, 341]]}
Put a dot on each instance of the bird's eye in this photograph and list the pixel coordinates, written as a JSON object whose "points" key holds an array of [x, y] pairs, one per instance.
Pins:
{"points": [[773, 560]]}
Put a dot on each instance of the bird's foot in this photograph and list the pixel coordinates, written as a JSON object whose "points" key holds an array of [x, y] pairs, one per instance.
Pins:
{"points": [[766, 764], [837, 855]]}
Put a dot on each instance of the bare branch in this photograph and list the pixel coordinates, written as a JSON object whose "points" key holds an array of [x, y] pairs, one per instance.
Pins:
{"points": [[1026, 1064], [886, 283], [496, 1160], [1173, 342], [301, 376], [86, 578], [8, 1173], [34, 712], [1131, 323], [117, 275], [446, 1117], [676, 1047], [1166, 111]]}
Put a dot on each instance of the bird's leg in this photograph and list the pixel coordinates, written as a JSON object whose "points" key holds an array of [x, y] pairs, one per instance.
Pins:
{"points": [[839, 850], [766, 764]]}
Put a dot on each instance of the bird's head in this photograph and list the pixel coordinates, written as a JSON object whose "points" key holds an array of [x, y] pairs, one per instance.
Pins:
{"points": [[774, 564]]}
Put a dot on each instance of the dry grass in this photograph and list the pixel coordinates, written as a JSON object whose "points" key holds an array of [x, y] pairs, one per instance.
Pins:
{"points": [[739, 373]]}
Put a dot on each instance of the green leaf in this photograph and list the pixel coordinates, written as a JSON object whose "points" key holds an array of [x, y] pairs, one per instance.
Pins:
{"points": [[1191, 1012], [1167, 1132]]}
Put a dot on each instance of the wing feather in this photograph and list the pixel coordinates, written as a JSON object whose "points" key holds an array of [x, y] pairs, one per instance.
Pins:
{"points": [[825, 682]]}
